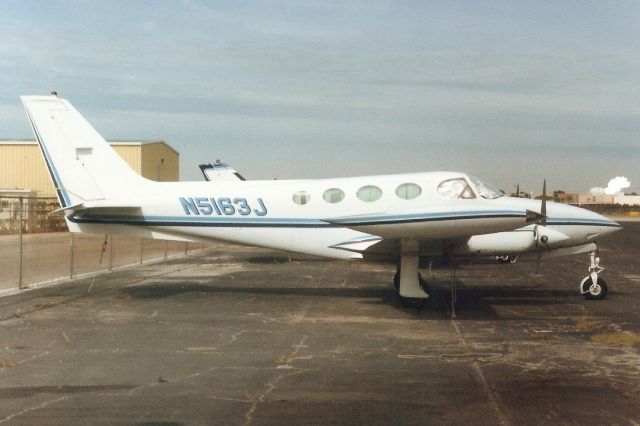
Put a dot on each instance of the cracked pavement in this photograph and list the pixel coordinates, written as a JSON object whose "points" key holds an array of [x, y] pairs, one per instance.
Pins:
{"points": [[243, 336]]}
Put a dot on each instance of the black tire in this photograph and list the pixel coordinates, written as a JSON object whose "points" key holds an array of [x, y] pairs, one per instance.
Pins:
{"points": [[413, 302], [410, 302], [598, 293]]}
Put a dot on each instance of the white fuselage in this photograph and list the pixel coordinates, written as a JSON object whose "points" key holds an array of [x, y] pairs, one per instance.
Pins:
{"points": [[264, 213]]}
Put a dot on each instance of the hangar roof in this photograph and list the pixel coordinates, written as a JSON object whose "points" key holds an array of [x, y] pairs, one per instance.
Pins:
{"points": [[123, 142]]}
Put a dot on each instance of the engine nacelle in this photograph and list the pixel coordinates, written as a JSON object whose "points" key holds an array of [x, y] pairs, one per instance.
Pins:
{"points": [[501, 243], [515, 242]]}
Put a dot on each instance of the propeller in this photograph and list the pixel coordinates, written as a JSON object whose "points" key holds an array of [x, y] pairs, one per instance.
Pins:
{"points": [[543, 206], [542, 241]]}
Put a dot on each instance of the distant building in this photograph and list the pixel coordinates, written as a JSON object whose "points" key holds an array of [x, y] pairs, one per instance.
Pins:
{"points": [[594, 199], [630, 200], [23, 168], [567, 198], [591, 199]]}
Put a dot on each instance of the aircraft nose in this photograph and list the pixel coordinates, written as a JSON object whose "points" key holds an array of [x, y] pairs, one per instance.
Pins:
{"points": [[607, 226], [599, 224]]}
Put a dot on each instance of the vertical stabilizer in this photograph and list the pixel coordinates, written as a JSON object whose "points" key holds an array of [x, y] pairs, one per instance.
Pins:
{"points": [[81, 163]]}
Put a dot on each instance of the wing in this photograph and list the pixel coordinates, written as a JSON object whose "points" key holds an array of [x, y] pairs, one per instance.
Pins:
{"points": [[440, 222], [437, 229]]}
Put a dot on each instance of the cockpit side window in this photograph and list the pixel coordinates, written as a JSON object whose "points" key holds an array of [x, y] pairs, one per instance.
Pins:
{"points": [[455, 189]]}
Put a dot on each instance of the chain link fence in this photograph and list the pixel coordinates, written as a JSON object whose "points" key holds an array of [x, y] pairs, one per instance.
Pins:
{"points": [[29, 215], [36, 249]]}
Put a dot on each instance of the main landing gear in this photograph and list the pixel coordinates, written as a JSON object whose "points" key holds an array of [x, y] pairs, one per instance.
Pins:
{"points": [[411, 302], [407, 279], [591, 286]]}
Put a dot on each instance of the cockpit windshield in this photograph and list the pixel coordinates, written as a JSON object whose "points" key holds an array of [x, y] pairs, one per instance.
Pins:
{"points": [[485, 190], [456, 188], [461, 188]]}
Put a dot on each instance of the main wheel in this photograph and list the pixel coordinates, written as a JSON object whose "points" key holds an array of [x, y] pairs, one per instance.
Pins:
{"points": [[593, 291], [413, 302], [410, 302]]}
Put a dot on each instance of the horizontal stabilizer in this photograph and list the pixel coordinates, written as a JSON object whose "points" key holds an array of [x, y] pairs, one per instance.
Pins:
{"points": [[101, 207], [111, 204], [72, 208]]}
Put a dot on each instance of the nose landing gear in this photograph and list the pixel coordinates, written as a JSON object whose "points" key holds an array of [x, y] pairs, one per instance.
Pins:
{"points": [[591, 286]]}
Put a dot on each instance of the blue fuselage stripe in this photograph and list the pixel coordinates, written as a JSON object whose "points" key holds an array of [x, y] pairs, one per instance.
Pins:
{"points": [[278, 222], [308, 222]]}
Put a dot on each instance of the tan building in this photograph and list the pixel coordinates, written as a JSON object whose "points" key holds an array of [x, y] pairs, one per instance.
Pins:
{"points": [[594, 199], [22, 166], [631, 200]]}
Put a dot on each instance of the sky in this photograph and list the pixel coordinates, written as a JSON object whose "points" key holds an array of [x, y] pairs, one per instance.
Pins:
{"points": [[510, 91]]}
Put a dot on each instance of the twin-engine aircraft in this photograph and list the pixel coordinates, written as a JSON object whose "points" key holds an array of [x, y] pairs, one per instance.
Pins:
{"points": [[405, 218]]}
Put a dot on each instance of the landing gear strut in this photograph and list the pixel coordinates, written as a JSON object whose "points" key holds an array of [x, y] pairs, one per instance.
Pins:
{"points": [[411, 302], [407, 279], [591, 286]]}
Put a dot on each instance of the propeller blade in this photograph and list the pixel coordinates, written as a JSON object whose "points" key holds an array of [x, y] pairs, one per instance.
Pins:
{"points": [[537, 236], [543, 207], [542, 241]]}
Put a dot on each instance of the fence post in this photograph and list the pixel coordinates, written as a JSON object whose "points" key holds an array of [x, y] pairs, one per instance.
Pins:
{"points": [[165, 249], [110, 253], [186, 247], [70, 254], [141, 250], [20, 248], [34, 214]]}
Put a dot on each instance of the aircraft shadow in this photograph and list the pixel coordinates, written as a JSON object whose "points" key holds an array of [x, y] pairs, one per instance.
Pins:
{"points": [[473, 302]]}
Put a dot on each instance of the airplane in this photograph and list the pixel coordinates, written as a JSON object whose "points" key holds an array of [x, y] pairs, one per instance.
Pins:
{"points": [[218, 171], [408, 219]]}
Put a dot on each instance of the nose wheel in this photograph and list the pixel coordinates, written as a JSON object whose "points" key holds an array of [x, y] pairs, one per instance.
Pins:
{"points": [[592, 286], [593, 290]]}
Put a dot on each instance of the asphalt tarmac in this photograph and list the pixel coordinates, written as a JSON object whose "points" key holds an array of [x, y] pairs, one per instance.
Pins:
{"points": [[240, 335]]}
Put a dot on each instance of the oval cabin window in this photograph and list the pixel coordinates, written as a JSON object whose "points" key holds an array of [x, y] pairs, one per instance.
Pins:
{"points": [[301, 197], [333, 195], [369, 193], [408, 191]]}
